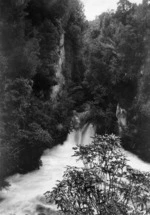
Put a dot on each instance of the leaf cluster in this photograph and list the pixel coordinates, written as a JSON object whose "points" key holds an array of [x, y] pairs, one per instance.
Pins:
{"points": [[106, 185]]}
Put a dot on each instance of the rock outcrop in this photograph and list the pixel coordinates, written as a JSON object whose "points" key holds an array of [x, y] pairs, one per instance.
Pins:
{"points": [[121, 115]]}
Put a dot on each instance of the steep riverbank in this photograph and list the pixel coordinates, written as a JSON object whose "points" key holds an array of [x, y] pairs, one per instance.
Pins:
{"points": [[25, 194]]}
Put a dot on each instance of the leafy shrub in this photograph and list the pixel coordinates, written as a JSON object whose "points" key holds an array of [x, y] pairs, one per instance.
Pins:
{"points": [[106, 185]]}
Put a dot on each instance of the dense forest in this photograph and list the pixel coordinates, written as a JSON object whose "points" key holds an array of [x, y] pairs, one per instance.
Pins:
{"points": [[54, 64], [35, 113]]}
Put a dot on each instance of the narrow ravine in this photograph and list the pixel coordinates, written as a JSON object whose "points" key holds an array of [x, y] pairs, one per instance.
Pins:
{"points": [[25, 194]]}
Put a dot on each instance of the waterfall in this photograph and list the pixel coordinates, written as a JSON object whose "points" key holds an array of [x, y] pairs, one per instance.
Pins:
{"points": [[84, 135], [25, 194]]}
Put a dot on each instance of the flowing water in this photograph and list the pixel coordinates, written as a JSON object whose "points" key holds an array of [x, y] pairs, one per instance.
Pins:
{"points": [[25, 194]]}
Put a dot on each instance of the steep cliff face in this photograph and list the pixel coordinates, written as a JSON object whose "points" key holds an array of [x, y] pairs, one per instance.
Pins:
{"points": [[121, 115], [67, 66], [59, 67]]}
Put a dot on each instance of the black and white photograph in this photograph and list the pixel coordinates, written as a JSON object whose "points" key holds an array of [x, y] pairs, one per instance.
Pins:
{"points": [[74, 107]]}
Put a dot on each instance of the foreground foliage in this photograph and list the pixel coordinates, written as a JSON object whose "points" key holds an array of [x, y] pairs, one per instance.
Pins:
{"points": [[106, 185]]}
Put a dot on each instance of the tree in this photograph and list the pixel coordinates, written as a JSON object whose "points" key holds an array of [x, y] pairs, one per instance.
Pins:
{"points": [[106, 185]]}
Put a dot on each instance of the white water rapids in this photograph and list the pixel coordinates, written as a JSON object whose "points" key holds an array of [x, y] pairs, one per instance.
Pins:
{"points": [[25, 195]]}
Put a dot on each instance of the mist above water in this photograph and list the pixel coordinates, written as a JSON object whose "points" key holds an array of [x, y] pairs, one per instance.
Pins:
{"points": [[25, 194]]}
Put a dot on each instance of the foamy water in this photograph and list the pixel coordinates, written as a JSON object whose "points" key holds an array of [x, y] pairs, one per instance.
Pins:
{"points": [[137, 163], [26, 191]]}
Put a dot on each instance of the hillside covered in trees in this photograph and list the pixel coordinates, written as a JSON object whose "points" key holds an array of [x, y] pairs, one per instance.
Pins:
{"points": [[116, 53], [33, 116], [54, 63]]}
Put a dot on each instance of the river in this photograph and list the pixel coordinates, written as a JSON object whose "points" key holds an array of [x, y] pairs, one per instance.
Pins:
{"points": [[25, 194]]}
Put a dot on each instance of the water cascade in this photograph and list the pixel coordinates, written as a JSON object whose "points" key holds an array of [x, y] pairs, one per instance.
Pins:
{"points": [[25, 194]]}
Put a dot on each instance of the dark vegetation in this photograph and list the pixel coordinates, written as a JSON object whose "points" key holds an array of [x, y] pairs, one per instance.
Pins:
{"points": [[106, 63], [116, 54], [31, 120]]}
